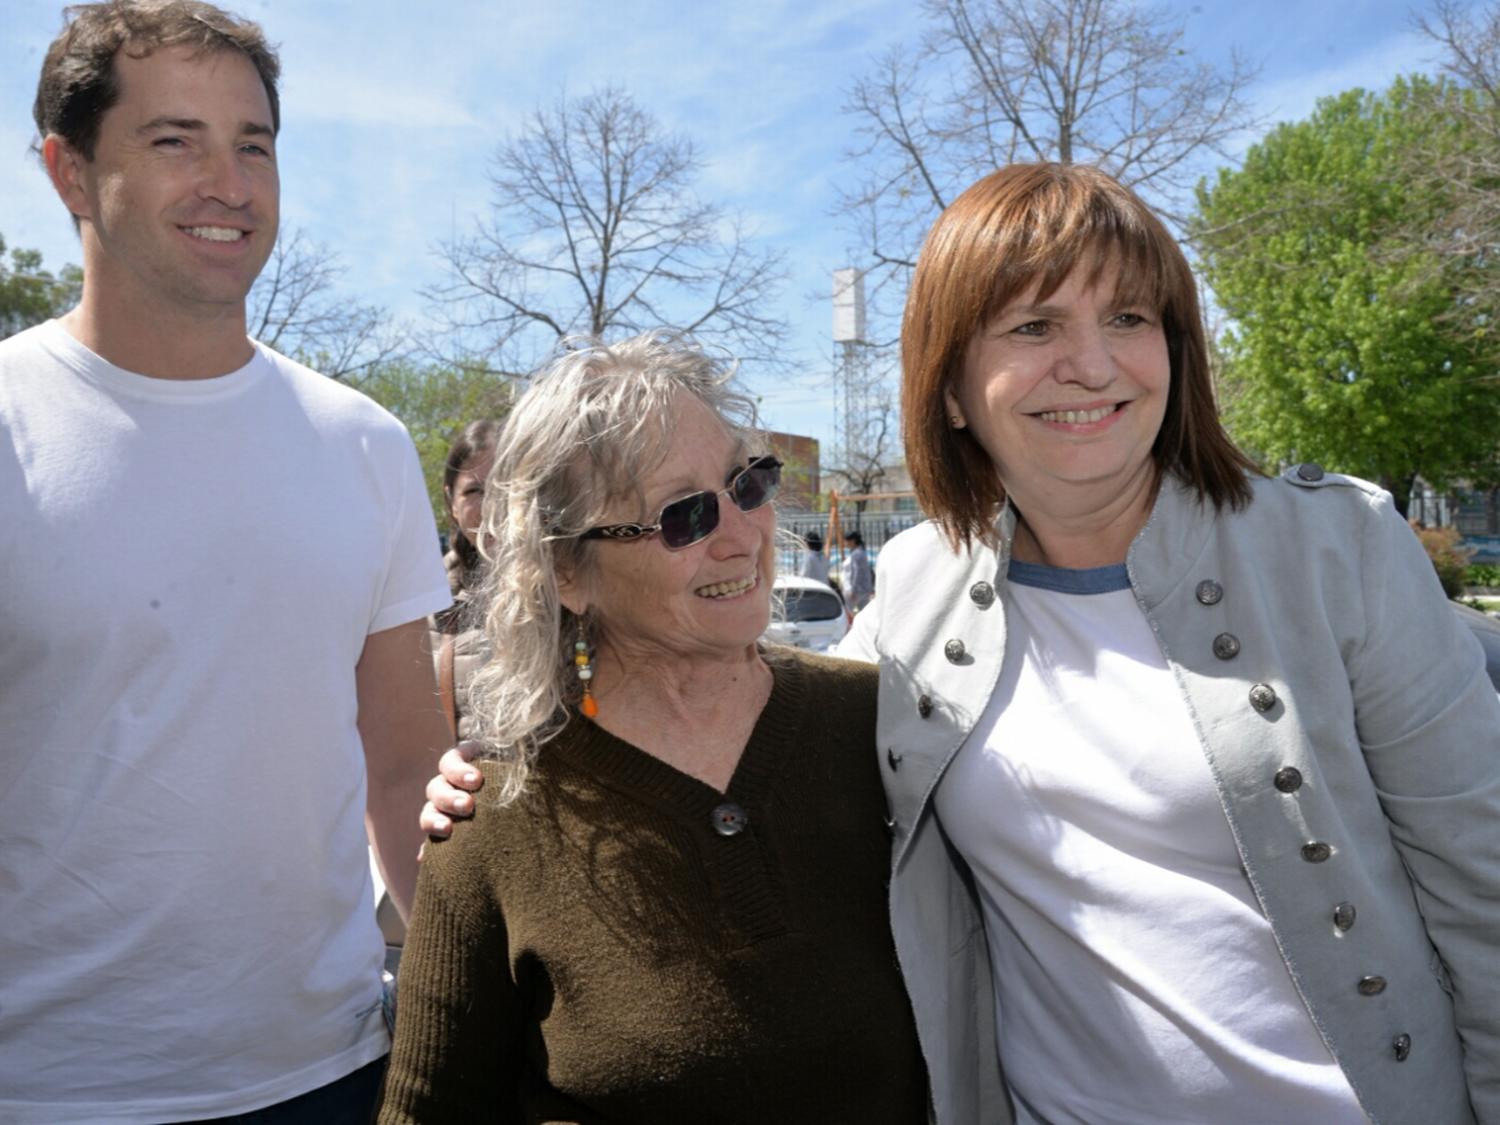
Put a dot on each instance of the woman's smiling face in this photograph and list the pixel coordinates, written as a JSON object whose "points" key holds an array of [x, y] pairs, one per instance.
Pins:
{"points": [[1067, 393], [712, 597]]}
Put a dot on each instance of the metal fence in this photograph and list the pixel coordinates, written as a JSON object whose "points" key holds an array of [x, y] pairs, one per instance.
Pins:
{"points": [[877, 528], [1476, 513]]}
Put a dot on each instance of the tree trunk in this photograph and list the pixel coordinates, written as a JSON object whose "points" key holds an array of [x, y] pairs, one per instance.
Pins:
{"points": [[1401, 493]]}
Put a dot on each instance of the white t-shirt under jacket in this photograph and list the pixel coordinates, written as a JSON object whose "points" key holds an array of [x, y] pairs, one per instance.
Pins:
{"points": [[1137, 981]]}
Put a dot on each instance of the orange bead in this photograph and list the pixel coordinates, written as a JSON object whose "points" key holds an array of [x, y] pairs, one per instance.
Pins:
{"points": [[581, 660], [588, 706]]}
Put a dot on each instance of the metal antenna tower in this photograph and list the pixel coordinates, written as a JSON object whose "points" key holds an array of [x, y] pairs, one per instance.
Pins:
{"points": [[851, 405]]}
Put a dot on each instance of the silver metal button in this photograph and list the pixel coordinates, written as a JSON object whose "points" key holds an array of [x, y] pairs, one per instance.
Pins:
{"points": [[1226, 646], [1262, 697], [1209, 592], [1371, 986], [893, 758], [924, 706], [729, 819], [954, 650], [1310, 472], [981, 593], [1343, 915], [1288, 779], [1316, 852], [1402, 1045]]}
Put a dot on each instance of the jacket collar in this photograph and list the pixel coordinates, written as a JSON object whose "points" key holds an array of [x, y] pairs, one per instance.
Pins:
{"points": [[1165, 550], [1162, 552]]}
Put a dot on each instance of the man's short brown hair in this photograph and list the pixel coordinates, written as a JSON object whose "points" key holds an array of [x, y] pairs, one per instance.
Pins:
{"points": [[79, 83], [1032, 225]]}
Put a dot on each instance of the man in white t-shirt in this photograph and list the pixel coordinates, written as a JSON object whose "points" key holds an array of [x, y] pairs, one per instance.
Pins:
{"points": [[215, 569]]}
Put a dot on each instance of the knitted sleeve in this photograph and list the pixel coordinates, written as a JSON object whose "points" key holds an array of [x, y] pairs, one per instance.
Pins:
{"points": [[456, 1057]]}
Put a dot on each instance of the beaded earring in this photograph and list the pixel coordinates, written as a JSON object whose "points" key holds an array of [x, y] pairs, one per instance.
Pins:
{"points": [[585, 673]]}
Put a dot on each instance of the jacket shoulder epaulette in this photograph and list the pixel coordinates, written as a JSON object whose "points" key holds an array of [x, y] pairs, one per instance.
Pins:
{"points": [[1309, 474]]}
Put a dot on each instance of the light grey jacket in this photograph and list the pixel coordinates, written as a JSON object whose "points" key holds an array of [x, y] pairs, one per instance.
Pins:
{"points": [[1354, 740]]}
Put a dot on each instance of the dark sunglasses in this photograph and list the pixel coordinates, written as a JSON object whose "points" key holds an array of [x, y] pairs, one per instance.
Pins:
{"points": [[683, 522]]}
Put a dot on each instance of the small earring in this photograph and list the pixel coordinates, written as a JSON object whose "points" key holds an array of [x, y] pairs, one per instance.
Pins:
{"points": [[955, 421], [585, 673]]}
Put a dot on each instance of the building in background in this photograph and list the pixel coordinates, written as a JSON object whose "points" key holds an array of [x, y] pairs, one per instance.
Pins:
{"points": [[801, 471]]}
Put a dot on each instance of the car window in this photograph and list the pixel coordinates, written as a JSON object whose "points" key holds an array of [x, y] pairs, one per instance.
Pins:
{"points": [[808, 605]]}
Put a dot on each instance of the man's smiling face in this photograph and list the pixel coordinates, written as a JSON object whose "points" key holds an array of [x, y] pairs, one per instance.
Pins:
{"points": [[182, 196]]}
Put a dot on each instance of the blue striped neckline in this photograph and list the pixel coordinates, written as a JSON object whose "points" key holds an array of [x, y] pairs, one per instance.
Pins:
{"points": [[1061, 580]]}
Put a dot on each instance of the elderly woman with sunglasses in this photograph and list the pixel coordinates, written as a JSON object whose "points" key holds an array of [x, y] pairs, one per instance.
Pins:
{"points": [[670, 905]]}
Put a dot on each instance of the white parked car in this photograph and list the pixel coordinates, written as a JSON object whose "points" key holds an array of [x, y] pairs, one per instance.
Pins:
{"points": [[806, 613]]}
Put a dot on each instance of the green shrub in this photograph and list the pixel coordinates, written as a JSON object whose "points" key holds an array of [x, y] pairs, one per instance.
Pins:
{"points": [[1483, 574], [1450, 558]]}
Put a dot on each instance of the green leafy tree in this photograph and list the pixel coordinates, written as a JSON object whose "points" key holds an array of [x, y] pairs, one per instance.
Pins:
{"points": [[30, 294], [1335, 350], [436, 403]]}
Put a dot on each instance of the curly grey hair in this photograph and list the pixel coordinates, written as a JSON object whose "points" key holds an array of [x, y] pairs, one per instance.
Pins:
{"points": [[587, 434]]}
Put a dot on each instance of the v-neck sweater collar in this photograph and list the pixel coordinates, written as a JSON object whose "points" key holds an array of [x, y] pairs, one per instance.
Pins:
{"points": [[613, 761]]}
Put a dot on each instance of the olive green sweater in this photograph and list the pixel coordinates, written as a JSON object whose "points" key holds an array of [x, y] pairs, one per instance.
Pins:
{"points": [[600, 952]]}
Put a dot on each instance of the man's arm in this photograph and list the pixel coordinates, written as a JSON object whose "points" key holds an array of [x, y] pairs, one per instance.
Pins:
{"points": [[403, 730]]}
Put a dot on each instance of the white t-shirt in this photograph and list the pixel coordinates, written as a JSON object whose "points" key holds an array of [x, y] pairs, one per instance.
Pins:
{"points": [[188, 572], [1137, 981]]}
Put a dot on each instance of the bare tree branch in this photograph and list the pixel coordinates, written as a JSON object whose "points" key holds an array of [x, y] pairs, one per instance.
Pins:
{"points": [[294, 308], [594, 228], [1457, 160], [997, 81]]}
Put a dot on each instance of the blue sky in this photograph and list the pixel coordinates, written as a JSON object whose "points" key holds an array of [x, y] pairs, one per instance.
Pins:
{"points": [[391, 111]]}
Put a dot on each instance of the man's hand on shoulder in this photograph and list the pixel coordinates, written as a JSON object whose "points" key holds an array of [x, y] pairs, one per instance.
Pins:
{"points": [[448, 792]]}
